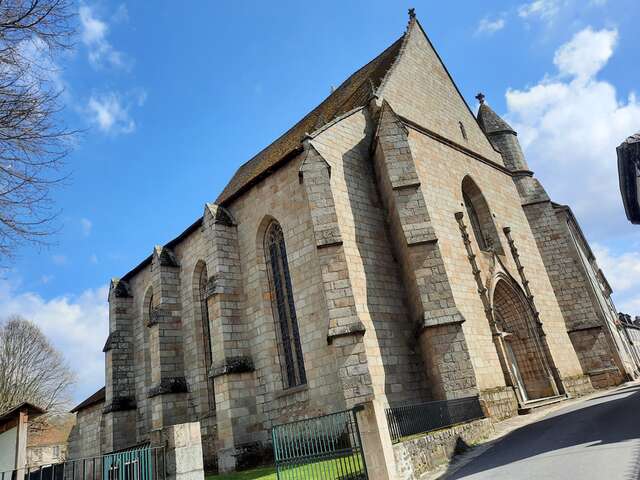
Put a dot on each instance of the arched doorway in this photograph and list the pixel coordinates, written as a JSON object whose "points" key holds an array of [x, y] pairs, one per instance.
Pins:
{"points": [[522, 344]]}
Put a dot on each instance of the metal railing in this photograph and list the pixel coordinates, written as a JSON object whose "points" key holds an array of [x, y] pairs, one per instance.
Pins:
{"points": [[142, 463], [408, 420], [326, 447]]}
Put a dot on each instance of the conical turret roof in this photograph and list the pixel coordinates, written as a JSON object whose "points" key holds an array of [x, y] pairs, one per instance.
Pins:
{"points": [[491, 122]]}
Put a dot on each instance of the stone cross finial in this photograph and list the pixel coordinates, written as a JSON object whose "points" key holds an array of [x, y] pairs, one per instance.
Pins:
{"points": [[412, 13], [480, 98]]}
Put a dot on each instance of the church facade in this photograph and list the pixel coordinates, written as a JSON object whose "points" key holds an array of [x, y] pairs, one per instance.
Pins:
{"points": [[391, 247]]}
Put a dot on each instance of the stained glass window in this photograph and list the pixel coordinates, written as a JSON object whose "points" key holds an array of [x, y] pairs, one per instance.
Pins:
{"points": [[206, 334]]}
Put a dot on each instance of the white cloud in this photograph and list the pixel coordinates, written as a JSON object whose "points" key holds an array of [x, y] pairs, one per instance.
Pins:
{"points": [[121, 15], [86, 226], [570, 124], [586, 53], [110, 112], [545, 10], [623, 273], [77, 325], [490, 26], [94, 36], [59, 259]]}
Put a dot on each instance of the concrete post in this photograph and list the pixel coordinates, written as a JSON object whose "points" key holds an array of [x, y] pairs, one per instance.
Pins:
{"points": [[183, 450], [376, 441]]}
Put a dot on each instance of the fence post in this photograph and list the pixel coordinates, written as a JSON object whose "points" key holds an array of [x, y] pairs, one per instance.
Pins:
{"points": [[376, 441], [182, 455]]}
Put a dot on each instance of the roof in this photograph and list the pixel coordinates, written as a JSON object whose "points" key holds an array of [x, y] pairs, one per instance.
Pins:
{"points": [[491, 122], [633, 138], [97, 397], [54, 431], [354, 92], [31, 410]]}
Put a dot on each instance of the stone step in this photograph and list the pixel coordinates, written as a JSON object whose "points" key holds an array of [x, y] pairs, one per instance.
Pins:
{"points": [[540, 402]]}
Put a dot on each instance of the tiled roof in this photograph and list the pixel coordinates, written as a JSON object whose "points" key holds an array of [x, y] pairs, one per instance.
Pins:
{"points": [[491, 122], [354, 92], [97, 397], [31, 409]]}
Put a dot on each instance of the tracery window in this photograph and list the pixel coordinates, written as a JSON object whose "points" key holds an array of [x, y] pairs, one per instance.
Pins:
{"points": [[206, 333], [289, 347]]}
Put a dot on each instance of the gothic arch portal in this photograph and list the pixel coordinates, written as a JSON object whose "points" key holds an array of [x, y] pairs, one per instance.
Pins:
{"points": [[522, 345]]}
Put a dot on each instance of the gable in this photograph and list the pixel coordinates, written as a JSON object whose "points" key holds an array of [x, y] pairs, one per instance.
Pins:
{"points": [[419, 88]]}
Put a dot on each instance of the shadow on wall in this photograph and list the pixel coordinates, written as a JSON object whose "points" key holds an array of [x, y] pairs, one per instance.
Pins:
{"points": [[405, 380], [565, 429]]}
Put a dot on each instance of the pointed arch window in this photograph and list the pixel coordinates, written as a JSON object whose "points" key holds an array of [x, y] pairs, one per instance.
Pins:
{"points": [[289, 347], [206, 333], [475, 221], [480, 217]]}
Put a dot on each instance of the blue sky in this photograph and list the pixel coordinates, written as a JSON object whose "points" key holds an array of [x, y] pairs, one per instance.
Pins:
{"points": [[174, 96]]}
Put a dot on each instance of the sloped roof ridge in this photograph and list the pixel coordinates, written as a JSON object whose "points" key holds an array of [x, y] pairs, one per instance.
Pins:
{"points": [[355, 91]]}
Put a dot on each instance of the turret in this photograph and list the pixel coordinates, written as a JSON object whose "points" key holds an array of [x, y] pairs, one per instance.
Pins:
{"points": [[502, 136], [505, 139]]}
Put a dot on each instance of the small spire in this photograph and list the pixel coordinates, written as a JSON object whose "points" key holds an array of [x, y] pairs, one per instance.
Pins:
{"points": [[480, 97], [412, 13]]}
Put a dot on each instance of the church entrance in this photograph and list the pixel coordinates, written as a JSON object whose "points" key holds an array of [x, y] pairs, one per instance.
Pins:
{"points": [[526, 361]]}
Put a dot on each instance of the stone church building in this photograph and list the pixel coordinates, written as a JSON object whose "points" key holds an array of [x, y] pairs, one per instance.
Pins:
{"points": [[390, 248]]}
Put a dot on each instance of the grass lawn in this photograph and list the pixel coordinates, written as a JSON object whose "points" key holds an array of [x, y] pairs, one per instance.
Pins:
{"points": [[328, 469], [262, 473]]}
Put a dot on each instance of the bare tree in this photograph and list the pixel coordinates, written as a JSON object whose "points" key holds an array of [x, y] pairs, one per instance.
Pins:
{"points": [[31, 369], [33, 138]]}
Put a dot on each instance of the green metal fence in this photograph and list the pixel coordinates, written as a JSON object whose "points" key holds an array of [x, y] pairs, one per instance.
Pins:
{"points": [[408, 420], [326, 447], [141, 463]]}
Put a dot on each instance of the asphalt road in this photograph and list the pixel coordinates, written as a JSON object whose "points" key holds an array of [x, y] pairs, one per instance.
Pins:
{"points": [[595, 439]]}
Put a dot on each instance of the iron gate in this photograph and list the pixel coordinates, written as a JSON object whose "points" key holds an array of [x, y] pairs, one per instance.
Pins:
{"points": [[326, 447]]}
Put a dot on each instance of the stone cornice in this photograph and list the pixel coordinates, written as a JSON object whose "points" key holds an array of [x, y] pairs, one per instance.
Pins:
{"points": [[232, 365], [456, 146], [169, 385]]}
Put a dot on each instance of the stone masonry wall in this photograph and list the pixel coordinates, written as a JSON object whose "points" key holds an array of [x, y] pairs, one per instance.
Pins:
{"points": [[394, 355], [282, 197], [442, 169], [418, 456], [420, 89], [85, 439]]}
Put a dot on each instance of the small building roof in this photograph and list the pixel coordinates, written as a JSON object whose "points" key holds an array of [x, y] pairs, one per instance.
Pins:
{"points": [[94, 399], [32, 410], [490, 121]]}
